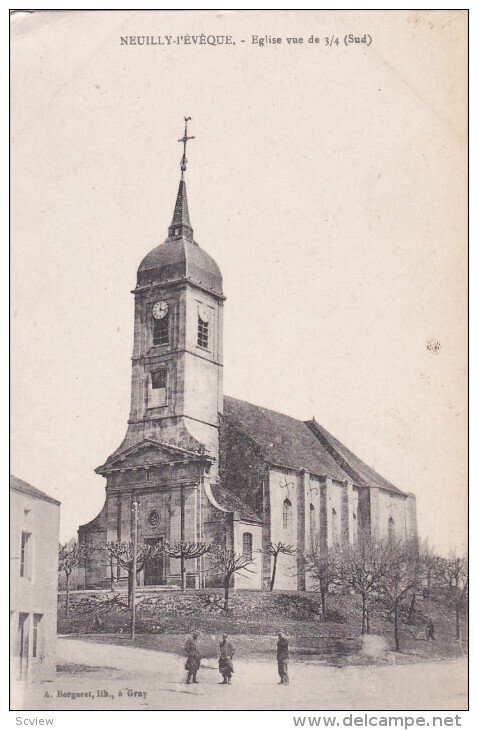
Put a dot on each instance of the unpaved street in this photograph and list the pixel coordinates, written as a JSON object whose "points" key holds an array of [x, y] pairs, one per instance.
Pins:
{"points": [[149, 680]]}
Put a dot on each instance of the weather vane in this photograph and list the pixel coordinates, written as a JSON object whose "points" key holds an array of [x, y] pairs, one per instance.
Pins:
{"points": [[184, 140]]}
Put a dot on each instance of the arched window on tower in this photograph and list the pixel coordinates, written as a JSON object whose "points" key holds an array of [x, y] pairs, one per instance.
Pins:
{"points": [[247, 545], [286, 513], [391, 529]]}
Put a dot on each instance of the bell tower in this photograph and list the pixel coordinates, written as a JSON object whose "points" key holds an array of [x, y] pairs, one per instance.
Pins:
{"points": [[176, 389]]}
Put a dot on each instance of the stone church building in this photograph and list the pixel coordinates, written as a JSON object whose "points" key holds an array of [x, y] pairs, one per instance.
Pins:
{"points": [[205, 467]]}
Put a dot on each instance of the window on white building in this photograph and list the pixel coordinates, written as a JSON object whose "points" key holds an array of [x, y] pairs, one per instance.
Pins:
{"points": [[391, 529], [247, 545], [312, 517], [36, 639], [25, 555], [286, 513]]}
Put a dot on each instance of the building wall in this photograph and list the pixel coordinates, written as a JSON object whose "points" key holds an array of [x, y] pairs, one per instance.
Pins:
{"points": [[159, 518], [34, 593], [245, 579], [284, 484], [392, 515]]}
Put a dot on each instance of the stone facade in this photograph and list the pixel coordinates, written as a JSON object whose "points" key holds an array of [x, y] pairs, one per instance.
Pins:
{"points": [[207, 468]]}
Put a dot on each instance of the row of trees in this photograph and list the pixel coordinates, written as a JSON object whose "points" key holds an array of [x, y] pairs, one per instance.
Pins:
{"points": [[388, 572], [222, 562]]}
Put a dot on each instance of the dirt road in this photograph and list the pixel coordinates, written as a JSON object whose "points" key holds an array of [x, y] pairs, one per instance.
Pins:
{"points": [[118, 677]]}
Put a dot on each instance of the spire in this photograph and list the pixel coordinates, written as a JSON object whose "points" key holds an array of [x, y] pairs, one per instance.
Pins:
{"points": [[181, 225]]}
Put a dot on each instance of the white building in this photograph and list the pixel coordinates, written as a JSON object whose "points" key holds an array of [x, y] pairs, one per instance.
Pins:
{"points": [[34, 535]]}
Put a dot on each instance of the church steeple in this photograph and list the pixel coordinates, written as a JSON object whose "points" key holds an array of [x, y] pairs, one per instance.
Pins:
{"points": [[181, 225]]}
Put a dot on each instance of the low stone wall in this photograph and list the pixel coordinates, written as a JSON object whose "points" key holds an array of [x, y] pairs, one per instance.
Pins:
{"points": [[277, 604], [97, 611]]}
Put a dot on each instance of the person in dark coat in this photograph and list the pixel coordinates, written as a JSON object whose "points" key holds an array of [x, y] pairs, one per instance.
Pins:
{"points": [[226, 654], [430, 630], [283, 658], [193, 660]]}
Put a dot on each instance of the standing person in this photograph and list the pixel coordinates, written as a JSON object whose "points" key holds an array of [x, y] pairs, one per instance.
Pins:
{"points": [[193, 660], [226, 654], [430, 630], [283, 658]]}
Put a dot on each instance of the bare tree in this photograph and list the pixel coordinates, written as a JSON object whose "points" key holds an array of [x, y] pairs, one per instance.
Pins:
{"points": [[274, 549], [122, 554], [364, 566], [324, 567], [227, 562], [400, 580], [69, 555], [430, 566], [185, 551], [454, 575]]}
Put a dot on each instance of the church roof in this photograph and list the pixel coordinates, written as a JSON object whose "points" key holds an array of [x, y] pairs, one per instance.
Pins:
{"points": [[180, 259], [231, 503], [286, 441], [20, 486], [358, 469]]}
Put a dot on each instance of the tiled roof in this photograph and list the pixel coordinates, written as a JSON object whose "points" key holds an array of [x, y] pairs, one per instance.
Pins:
{"points": [[20, 486], [286, 441], [355, 466], [231, 503], [282, 440]]}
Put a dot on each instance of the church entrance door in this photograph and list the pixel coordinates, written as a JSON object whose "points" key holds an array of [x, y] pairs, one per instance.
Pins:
{"points": [[154, 568]]}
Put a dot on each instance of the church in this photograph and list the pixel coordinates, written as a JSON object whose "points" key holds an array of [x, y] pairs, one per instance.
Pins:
{"points": [[204, 467]]}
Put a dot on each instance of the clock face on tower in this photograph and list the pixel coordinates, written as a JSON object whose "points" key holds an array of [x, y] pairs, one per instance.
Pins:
{"points": [[160, 310]]}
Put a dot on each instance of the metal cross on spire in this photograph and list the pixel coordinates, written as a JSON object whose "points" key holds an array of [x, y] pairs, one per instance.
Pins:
{"points": [[184, 140]]}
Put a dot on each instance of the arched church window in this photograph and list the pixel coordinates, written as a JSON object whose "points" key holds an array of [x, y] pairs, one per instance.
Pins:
{"points": [[391, 528], [161, 330], [312, 517], [286, 513], [247, 545]]}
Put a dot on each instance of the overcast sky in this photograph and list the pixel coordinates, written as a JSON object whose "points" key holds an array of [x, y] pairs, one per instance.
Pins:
{"points": [[329, 184]]}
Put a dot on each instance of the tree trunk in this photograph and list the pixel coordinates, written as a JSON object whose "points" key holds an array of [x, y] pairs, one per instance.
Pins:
{"points": [[67, 602], [112, 576], [323, 594], [274, 568], [395, 621], [411, 610], [226, 592], [130, 587], [457, 622], [183, 573], [367, 620], [364, 616]]}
